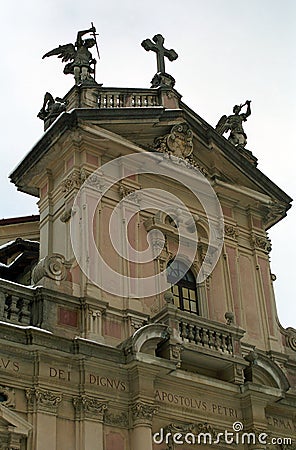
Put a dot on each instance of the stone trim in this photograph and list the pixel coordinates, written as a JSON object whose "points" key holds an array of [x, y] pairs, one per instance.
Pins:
{"points": [[44, 400], [142, 413], [89, 407]]}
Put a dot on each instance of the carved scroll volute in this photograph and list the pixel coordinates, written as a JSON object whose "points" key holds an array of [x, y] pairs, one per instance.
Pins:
{"points": [[52, 266]]}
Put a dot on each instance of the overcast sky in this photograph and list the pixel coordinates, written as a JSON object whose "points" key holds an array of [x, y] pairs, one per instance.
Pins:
{"points": [[229, 51]]}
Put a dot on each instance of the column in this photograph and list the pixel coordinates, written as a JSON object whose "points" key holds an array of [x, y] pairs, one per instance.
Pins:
{"points": [[142, 415], [89, 416], [43, 405]]}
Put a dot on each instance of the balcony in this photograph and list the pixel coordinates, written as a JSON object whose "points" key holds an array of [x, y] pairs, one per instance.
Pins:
{"points": [[39, 307], [208, 347]]}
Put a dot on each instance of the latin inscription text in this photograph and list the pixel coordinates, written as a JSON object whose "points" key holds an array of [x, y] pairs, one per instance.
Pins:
{"points": [[194, 403]]}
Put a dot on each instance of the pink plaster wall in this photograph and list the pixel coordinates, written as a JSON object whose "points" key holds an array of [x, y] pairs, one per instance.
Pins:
{"points": [[218, 305], [114, 441], [265, 273], [231, 252], [252, 323], [112, 328]]}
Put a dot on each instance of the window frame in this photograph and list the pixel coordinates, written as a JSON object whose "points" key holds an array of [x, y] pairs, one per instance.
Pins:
{"points": [[187, 282]]}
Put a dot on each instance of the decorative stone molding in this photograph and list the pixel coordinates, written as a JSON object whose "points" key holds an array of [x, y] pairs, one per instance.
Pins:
{"points": [[248, 155], [43, 399], [179, 142], [186, 428], [173, 351], [79, 176], [66, 215], [7, 396], [137, 323], [116, 420], [252, 357], [132, 193], [275, 211], [229, 316], [231, 231], [52, 266], [14, 430], [142, 413], [163, 80], [288, 447], [90, 407], [94, 180], [73, 181], [169, 297], [260, 243], [291, 338]]}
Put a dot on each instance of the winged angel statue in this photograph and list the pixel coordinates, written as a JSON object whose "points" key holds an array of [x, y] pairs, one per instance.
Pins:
{"points": [[234, 123], [81, 60]]}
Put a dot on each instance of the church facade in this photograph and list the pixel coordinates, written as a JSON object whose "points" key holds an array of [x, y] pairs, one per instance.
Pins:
{"points": [[85, 365]]}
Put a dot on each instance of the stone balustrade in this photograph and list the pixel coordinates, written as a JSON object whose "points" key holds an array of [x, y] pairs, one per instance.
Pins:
{"points": [[209, 337], [16, 303], [127, 98], [200, 333]]}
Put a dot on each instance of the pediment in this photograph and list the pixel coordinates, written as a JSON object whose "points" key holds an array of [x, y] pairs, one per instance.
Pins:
{"points": [[115, 132], [13, 422]]}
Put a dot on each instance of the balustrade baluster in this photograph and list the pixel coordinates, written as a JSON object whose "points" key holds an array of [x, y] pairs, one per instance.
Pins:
{"points": [[190, 332], [211, 338], [218, 341], [229, 344], [25, 313], [223, 343], [204, 337], [183, 330]]}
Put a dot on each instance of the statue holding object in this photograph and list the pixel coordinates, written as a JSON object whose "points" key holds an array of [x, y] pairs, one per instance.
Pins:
{"points": [[81, 64], [234, 123]]}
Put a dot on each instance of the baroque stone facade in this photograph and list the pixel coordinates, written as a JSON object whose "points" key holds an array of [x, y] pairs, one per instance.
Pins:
{"points": [[83, 368]]}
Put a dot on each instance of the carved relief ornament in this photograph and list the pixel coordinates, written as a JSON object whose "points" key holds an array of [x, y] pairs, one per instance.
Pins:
{"points": [[178, 142], [231, 231], [8, 395], [92, 407], [260, 243], [143, 412], [291, 338], [43, 399], [116, 420], [73, 181]]}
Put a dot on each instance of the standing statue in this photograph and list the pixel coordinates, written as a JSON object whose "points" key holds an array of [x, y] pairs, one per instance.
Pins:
{"points": [[234, 123], [81, 60]]}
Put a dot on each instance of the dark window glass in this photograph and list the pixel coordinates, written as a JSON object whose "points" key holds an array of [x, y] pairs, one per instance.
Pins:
{"points": [[184, 290]]}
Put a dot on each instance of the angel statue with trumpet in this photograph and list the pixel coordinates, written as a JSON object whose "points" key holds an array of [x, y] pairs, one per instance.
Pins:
{"points": [[234, 123], [81, 64]]}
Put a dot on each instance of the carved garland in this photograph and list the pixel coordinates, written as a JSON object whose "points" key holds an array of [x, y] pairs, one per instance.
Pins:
{"points": [[116, 420], [90, 407]]}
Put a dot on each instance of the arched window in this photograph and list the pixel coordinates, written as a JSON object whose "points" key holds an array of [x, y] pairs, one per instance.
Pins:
{"points": [[184, 290]]}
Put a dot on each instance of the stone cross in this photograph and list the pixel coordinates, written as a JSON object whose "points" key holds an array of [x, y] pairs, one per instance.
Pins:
{"points": [[160, 51]]}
